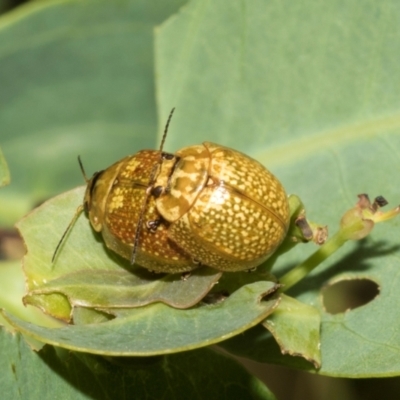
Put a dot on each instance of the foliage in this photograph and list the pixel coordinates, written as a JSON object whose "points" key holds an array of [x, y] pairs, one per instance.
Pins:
{"points": [[308, 89]]}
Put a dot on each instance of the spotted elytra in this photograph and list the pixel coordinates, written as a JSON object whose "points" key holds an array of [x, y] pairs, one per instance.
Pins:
{"points": [[204, 205]]}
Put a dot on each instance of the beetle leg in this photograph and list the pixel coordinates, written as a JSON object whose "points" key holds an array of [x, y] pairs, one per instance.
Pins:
{"points": [[156, 191], [185, 275], [153, 225]]}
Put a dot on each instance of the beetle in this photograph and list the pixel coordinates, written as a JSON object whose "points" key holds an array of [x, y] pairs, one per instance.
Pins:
{"points": [[203, 205]]}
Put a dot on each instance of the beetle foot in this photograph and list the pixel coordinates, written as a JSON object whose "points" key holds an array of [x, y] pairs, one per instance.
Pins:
{"points": [[185, 275], [153, 225]]}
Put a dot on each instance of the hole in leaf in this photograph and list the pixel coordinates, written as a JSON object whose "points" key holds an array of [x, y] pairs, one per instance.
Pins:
{"points": [[348, 294]]}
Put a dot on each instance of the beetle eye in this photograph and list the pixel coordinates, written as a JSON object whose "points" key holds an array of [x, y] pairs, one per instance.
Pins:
{"points": [[157, 191]]}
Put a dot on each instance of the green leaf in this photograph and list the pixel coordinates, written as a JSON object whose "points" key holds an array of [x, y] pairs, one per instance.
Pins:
{"points": [[160, 329], [124, 289], [295, 329], [26, 375], [12, 291], [75, 76], [311, 90], [295, 326], [4, 172]]}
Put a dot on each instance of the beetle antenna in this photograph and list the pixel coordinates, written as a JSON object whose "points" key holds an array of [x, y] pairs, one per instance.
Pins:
{"points": [[166, 130], [82, 169], [148, 192], [74, 218], [138, 229], [71, 223], [142, 211]]}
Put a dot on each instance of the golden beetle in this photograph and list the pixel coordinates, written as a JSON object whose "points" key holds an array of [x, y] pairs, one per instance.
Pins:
{"points": [[204, 205]]}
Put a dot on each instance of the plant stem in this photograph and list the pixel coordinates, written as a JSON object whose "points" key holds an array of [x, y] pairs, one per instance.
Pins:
{"points": [[300, 271]]}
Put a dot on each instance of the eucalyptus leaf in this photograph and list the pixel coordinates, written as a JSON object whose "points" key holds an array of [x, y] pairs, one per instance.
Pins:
{"points": [[295, 326], [124, 289], [293, 329], [12, 291], [159, 329], [259, 345], [26, 375], [83, 316], [311, 90]]}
